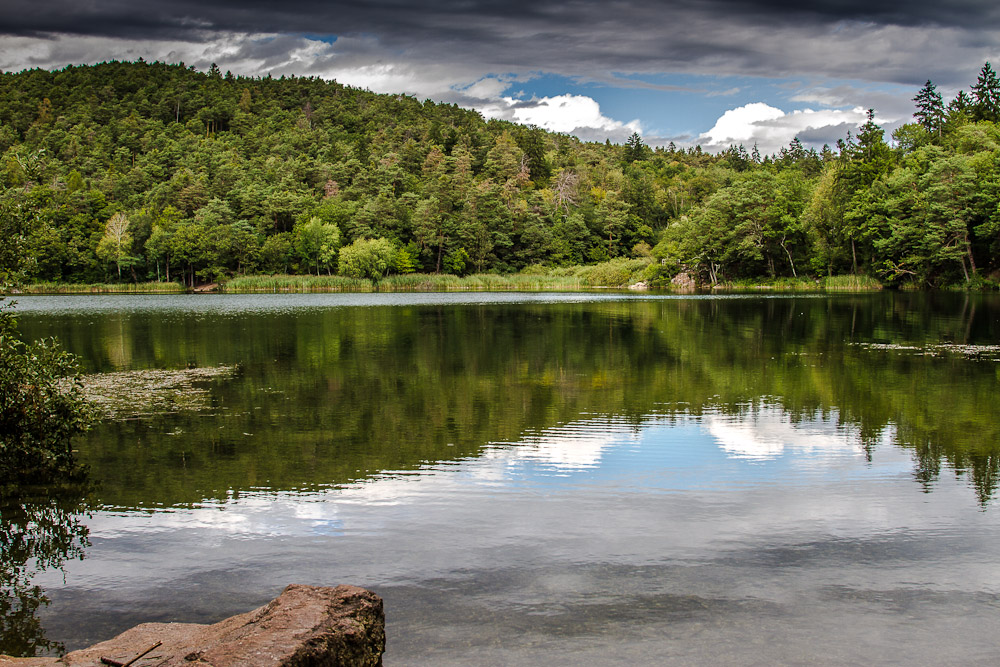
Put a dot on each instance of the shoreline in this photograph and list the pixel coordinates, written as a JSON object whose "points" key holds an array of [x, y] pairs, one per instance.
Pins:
{"points": [[263, 284], [416, 283]]}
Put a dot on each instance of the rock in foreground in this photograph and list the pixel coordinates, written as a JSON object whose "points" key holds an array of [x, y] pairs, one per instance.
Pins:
{"points": [[306, 626]]}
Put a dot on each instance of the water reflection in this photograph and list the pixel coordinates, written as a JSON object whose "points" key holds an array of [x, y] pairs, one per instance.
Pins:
{"points": [[336, 388], [514, 473], [40, 529], [657, 533], [766, 432], [567, 448]]}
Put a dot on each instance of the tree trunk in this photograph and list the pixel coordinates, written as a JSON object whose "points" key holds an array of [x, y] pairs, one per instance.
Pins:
{"points": [[968, 250], [794, 275]]}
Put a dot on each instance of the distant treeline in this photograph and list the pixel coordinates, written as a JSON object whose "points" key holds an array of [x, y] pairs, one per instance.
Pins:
{"points": [[148, 171]]}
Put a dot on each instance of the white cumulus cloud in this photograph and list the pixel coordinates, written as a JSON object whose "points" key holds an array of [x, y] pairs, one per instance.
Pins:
{"points": [[771, 128], [573, 114]]}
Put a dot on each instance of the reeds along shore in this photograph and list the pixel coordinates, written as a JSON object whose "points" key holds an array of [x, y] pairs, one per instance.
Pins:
{"points": [[420, 282], [413, 282], [103, 288]]}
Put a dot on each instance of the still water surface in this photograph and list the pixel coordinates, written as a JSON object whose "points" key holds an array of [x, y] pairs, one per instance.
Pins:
{"points": [[558, 479]]}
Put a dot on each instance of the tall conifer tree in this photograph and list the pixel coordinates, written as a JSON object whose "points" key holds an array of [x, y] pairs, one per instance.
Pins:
{"points": [[930, 108], [986, 95]]}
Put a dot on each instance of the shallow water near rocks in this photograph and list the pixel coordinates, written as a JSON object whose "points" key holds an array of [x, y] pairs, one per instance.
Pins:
{"points": [[592, 478]]}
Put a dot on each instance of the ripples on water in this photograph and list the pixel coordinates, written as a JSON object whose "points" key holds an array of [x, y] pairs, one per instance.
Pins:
{"points": [[673, 489]]}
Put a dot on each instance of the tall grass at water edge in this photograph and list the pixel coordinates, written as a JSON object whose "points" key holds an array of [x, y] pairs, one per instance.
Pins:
{"points": [[851, 283], [830, 284], [103, 288], [615, 273], [411, 282], [307, 283]]}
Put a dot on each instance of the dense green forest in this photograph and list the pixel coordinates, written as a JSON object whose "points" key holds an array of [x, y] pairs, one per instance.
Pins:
{"points": [[148, 171]]}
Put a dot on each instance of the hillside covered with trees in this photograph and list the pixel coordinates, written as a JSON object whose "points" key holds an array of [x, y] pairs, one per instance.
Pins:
{"points": [[140, 171]]}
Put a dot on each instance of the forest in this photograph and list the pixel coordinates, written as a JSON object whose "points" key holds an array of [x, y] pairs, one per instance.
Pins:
{"points": [[132, 172]]}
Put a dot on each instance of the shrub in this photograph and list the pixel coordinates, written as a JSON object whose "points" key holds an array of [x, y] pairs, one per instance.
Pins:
{"points": [[367, 258]]}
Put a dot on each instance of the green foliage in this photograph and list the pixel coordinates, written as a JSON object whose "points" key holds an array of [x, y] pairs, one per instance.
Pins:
{"points": [[635, 149], [212, 173], [406, 259], [293, 283], [116, 244], [41, 401], [455, 261], [368, 258], [222, 176], [851, 283], [317, 244], [103, 288], [986, 95], [40, 411], [613, 273], [930, 108]]}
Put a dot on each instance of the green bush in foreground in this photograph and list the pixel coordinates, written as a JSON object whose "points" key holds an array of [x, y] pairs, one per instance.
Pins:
{"points": [[40, 410]]}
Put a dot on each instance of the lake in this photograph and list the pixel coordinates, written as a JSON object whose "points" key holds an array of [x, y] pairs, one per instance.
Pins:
{"points": [[564, 479]]}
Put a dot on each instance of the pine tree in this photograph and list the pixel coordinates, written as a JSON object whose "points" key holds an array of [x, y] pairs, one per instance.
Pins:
{"points": [[635, 149], [986, 95], [961, 104], [930, 108]]}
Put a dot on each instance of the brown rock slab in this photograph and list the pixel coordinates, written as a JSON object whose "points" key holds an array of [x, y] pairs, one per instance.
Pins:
{"points": [[306, 626], [684, 281]]}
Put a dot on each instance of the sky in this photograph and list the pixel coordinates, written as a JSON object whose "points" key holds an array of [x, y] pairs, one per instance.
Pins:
{"points": [[708, 72]]}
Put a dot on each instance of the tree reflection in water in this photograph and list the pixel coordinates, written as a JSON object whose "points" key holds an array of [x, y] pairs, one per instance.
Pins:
{"points": [[40, 529]]}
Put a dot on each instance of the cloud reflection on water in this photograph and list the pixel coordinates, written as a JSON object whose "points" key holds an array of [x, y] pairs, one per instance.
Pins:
{"points": [[658, 454], [767, 432]]}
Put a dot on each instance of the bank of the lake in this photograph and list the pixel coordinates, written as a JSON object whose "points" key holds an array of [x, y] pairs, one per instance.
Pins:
{"points": [[567, 281], [102, 288], [329, 283]]}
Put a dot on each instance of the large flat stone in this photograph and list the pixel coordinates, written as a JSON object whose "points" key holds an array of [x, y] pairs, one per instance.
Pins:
{"points": [[306, 626]]}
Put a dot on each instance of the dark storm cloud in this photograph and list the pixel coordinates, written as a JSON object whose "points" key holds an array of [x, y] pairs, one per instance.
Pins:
{"points": [[461, 19], [960, 13], [581, 38], [839, 54]]}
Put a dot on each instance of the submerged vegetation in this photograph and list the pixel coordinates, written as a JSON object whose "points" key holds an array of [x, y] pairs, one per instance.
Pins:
{"points": [[126, 173], [145, 392]]}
